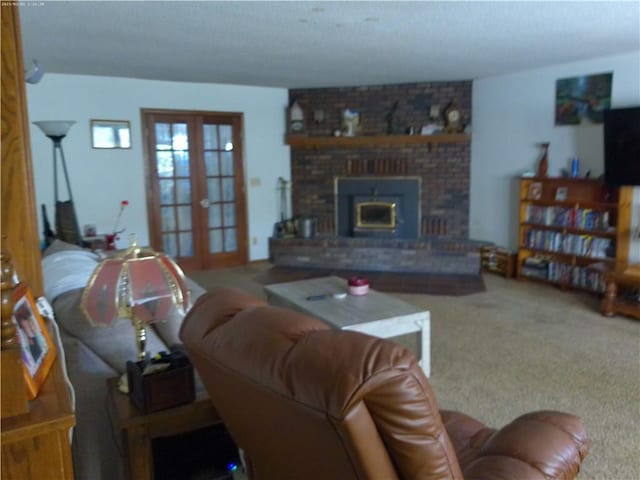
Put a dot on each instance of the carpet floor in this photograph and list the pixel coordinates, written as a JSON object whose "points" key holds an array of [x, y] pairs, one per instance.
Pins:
{"points": [[384, 281], [522, 346]]}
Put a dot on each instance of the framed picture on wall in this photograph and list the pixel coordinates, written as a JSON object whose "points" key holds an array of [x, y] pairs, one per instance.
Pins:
{"points": [[582, 100], [110, 134], [38, 350], [535, 191], [561, 194]]}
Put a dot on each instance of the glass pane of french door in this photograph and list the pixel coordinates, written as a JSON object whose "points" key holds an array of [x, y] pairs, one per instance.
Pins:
{"points": [[173, 171], [220, 183]]}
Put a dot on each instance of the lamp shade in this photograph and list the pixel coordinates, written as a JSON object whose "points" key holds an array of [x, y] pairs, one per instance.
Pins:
{"points": [[142, 285], [55, 128]]}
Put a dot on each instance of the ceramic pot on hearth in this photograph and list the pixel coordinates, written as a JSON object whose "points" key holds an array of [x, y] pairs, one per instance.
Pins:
{"points": [[305, 227]]}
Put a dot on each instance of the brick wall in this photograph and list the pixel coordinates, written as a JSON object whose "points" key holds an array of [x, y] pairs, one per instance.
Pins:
{"points": [[443, 168]]}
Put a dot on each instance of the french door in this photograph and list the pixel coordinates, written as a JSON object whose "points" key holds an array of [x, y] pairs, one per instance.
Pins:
{"points": [[195, 187]]}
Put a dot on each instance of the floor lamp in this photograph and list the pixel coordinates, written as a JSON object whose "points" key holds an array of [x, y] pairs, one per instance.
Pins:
{"points": [[67, 227]]}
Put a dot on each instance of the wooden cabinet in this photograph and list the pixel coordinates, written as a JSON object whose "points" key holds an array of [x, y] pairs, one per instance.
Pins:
{"points": [[36, 445], [567, 231], [138, 429], [622, 293]]}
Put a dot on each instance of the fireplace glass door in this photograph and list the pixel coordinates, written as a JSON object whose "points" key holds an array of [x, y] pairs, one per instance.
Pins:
{"points": [[376, 215]]}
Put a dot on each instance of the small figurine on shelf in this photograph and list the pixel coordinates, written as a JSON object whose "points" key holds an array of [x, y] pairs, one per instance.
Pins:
{"points": [[391, 120], [543, 164], [350, 122], [296, 118], [434, 123]]}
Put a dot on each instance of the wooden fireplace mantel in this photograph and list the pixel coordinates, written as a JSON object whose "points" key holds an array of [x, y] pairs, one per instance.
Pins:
{"points": [[304, 141]]}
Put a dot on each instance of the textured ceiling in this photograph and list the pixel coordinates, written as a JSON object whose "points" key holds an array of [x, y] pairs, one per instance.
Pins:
{"points": [[318, 44]]}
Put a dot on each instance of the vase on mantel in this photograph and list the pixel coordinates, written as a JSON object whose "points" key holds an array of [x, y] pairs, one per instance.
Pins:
{"points": [[543, 164]]}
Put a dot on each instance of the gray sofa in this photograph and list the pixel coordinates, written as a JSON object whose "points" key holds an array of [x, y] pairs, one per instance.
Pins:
{"points": [[93, 355]]}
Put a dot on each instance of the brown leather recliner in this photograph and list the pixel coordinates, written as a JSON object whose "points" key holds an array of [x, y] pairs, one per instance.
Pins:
{"points": [[307, 402]]}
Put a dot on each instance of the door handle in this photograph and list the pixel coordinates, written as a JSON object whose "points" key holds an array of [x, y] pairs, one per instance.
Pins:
{"points": [[204, 203]]}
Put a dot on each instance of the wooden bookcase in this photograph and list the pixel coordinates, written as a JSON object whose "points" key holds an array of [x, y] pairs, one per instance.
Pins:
{"points": [[567, 232]]}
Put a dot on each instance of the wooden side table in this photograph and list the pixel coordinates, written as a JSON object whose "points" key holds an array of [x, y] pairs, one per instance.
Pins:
{"points": [[498, 260], [37, 444], [616, 298], [137, 429]]}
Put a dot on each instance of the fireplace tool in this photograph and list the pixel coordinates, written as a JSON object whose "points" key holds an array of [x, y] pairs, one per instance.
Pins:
{"points": [[285, 226]]}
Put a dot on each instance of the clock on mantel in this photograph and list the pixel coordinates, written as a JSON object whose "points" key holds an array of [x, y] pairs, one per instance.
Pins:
{"points": [[304, 141], [452, 118]]}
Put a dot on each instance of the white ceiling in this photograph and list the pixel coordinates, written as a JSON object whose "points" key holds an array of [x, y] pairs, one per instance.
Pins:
{"points": [[320, 44]]}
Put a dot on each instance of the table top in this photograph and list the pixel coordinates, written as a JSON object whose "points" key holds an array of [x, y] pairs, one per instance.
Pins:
{"points": [[341, 312], [128, 415], [629, 277], [51, 410]]}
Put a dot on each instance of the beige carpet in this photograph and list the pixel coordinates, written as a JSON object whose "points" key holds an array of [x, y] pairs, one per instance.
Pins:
{"points": [[523, 346]]}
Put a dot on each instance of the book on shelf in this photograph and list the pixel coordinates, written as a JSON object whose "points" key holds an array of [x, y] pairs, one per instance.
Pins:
{"points": [[536, 267], [578, 218], [568, 243], [559, 272]]}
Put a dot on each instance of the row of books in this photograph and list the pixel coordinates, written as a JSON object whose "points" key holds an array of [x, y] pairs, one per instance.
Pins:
{"points": [[582, 218], [584, 277], [569, 243], [577, 276]]}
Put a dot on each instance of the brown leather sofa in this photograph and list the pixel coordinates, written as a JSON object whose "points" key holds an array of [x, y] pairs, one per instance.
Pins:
{"points": [[307, 402]]}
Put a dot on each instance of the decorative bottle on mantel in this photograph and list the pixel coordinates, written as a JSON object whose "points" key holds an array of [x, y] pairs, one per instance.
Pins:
{"points": [[543, 165], [296, 118]]}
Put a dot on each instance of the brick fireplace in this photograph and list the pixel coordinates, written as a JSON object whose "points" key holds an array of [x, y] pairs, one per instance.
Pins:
{"points": [[443, 169], [434, 216]]}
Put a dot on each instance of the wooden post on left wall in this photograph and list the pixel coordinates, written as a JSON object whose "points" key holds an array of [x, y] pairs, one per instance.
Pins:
{"points": [[19, 213], [19, 224]]}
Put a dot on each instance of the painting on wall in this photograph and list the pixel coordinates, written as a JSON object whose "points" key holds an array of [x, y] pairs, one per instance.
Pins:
{"points": [[582, 100], [110, 134]]}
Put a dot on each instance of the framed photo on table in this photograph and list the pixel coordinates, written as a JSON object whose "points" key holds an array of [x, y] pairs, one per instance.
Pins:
{"points": [[38, 350]]}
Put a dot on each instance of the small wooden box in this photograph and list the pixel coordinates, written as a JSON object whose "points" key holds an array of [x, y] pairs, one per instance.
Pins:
{"points": [[97, 242], [158, 391], [498, 260]]}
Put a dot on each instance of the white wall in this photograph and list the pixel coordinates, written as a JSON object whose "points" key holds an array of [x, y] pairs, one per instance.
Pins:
{"points": [[512, 114], [100, 179]]}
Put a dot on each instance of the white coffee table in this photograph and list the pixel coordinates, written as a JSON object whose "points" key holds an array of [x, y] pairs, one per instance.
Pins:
{"points": [[376, 313]]}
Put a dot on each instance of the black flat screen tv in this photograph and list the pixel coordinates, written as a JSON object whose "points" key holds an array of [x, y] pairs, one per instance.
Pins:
{"points": [[622, 146]]}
